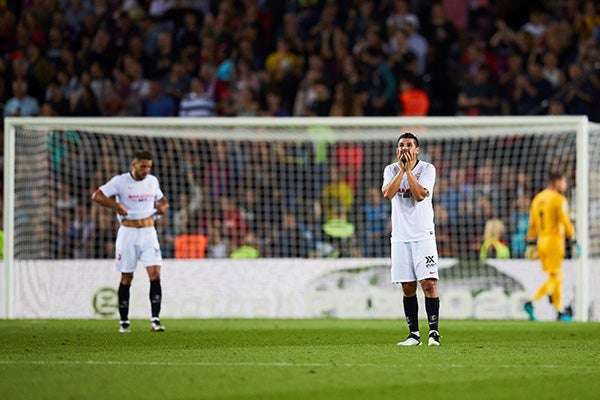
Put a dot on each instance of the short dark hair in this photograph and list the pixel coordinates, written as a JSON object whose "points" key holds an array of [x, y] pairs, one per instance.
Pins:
{"points": [[408, 135], [554, 176], [142, 155]]}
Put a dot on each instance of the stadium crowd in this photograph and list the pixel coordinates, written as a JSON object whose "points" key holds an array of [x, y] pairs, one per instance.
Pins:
{"points": [[232, 58], [300, 58]]}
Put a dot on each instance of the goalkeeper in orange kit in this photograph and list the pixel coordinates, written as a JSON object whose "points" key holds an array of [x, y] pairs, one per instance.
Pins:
{"points": [[549, 227]]}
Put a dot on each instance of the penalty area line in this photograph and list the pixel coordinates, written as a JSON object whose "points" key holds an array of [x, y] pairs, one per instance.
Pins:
{"points": [[254, 364]]}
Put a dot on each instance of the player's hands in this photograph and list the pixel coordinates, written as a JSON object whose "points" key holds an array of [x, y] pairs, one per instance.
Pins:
{"points": [[575, 248], [406, 160], [121, 210], [161, 208], [531, 251]]}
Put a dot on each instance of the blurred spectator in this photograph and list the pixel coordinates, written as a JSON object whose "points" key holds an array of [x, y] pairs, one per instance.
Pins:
{"points": [[21, 104], [283, 62], [140, 86], [551, 71], [255, 212], [123, 100], [31, 20], [336, 193], [531, 89], [339, 232], [20, 72], [448, 195], [164, 57], [418, 45], [291, 32], [377, 225], [349, 158], [187, 36], [234, 226], [248, 250], [245, 77], [199, 102], [55, 100], [81, 234], [519, 222], [84, 103], [507, 82], [400, 16], [40, 68], [581, 92], [55, 44], [493, 246], [101, 85], [245, 104], [320, 106], [158, 103], [442, 59], [479, 97], [446, 243], [327, 34], [218, 173], [345, 102], [360, 18], [217, 245], [587, 19], [274, 106], [106, 228], [383, 88], [8, 31], [536, 26], [306, 93], [476, 55], [293, 239], [556, 107], [102, 51], [166, 234], [177, 82], [414, 101], [487, 184]]}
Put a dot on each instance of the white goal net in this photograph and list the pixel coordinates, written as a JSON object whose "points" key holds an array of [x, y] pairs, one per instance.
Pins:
{"points": [[299, 188]]}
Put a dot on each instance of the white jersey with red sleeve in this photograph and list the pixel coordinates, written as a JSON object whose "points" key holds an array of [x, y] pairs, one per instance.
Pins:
{"points": [[138, 197], [411, 220]]}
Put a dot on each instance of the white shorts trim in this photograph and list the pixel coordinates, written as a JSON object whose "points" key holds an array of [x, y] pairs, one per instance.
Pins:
{"points": [[414, 261]]}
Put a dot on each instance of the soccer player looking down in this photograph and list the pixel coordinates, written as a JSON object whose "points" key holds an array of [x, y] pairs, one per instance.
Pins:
{"points": [[137, 198], [409, 183]]}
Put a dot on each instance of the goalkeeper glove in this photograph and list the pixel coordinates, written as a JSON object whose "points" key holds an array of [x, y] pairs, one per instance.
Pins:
{"points": [[531, 251], [575, 248]]}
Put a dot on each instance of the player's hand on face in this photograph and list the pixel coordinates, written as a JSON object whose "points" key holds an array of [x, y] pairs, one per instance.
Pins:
{"points": [[402, 158], [406, 159]]}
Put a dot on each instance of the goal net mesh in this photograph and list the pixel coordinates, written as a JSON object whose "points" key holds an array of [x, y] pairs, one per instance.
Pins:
{"points": [[259, 190], [294, 190]]}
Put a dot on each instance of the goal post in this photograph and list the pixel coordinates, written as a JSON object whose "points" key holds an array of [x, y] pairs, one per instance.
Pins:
{"points": [[287, 164]]}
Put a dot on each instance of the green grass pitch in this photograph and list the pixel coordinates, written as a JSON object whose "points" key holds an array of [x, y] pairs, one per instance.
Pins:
{"points": [[297, 359]]}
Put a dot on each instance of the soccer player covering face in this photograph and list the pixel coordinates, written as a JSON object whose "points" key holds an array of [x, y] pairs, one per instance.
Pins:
{"points": [[550, 225], [408, 183], [137, 199]]}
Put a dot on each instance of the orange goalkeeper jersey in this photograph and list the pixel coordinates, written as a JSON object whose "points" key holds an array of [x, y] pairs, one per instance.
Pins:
{"points": [[549, 217]]}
